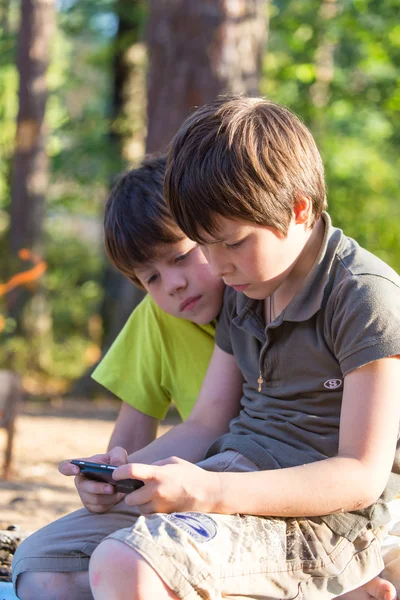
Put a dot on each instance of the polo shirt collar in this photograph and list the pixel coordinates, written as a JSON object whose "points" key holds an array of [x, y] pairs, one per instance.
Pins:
{"points": [[308, 299]]}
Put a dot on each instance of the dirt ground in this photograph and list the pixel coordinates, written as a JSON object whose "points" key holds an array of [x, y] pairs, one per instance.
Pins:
{"points": [[37, 493]]}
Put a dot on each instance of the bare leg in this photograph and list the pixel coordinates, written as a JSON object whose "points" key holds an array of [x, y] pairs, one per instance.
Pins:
{"points": [[119, 572], [376, 589], [54, 586]]}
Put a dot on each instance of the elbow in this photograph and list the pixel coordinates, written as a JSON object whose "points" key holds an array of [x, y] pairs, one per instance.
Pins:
{"points": [[370, 488], [365, 500]]}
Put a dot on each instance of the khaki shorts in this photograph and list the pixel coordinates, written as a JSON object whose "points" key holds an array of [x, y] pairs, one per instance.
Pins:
{"points": [[214, 556]]}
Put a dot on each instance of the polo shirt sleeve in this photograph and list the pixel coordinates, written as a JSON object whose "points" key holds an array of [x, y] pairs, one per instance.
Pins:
{"points": [[224, 321], [365, 322], [132, 368]]}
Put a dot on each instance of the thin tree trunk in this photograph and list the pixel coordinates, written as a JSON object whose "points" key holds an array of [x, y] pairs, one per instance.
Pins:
{"points": [[30, 164], [30, 167]]}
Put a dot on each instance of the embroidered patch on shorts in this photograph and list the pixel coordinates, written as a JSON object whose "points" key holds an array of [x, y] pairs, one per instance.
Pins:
{"points": [[200, 527]]}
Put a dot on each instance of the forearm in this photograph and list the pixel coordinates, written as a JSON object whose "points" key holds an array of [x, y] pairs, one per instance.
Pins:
{"points": [[333, 485], [133, 429], [189, 440]]}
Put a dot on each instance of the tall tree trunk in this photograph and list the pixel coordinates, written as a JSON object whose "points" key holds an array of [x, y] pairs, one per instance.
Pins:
{"points": [[198, 50], [30, 164], [30, 167]]}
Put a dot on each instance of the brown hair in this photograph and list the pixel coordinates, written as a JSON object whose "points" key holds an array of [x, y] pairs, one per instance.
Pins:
{"points": [[136, 219], [241, 157]]}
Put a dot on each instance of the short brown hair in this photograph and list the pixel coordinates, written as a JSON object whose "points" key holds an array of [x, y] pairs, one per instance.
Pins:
{"points": [[241, 157], [136, 219]]}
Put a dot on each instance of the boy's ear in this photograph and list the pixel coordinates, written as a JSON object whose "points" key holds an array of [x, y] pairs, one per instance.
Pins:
{"points": [[302, 209]]}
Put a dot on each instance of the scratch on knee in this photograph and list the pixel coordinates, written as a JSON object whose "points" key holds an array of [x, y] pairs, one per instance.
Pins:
{"points": [[95, 578]]}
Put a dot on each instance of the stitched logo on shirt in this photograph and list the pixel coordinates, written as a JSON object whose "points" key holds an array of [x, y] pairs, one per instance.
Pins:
{"points": [[332, 384], [199, 526]]}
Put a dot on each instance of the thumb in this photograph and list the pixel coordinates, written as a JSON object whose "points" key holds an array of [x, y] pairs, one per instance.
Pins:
{"points": [[118, 456]]}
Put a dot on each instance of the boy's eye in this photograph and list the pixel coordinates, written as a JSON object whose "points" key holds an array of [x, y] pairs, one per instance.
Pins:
{"points": [[151, 279], [182, 257], [235, 245]]}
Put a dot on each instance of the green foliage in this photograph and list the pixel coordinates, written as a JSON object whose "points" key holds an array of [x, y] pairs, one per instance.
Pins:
{"points": [[358, 127]]}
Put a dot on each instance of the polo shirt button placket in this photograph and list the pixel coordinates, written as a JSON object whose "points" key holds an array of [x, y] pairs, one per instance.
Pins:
{"points": [[261, 379]]}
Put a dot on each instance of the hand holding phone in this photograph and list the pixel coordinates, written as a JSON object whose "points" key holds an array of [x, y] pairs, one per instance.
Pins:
{"points": [[103, 472]]}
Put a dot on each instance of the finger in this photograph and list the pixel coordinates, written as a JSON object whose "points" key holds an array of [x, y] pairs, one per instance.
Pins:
{"points": [[135, 471], [66, 468], [101, 499], [90, 486], [140, 497], [118, 456]]}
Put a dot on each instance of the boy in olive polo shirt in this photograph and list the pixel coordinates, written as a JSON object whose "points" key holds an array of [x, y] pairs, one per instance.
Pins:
{"points": [[288, 499]]}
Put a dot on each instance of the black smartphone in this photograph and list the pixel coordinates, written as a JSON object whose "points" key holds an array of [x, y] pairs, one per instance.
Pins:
{"points": [[102, 472]]}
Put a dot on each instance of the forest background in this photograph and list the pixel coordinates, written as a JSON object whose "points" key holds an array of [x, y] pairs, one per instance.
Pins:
{"points": [[86, 88]]}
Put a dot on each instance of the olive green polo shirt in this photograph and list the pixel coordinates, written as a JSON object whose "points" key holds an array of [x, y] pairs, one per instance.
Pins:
{"points": [[346, 315]]}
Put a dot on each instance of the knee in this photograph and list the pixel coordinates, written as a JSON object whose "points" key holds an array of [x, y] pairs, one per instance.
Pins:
{"points": [[112, 559], [115, 567]]}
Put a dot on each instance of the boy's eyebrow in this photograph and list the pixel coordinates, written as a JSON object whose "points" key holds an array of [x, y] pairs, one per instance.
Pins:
{"points": [[214, 241]]}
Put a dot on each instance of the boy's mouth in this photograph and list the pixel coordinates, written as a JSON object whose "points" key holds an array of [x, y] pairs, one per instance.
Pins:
{"points": [[239, 288], [189, 303]]}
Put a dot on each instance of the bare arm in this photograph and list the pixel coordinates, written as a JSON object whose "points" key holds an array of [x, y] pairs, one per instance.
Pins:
{"points": [[217, 404], [353, 479], [133, 429]]}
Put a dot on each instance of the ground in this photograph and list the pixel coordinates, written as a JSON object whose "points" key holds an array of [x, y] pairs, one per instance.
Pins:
{"points": [[37, 493]]}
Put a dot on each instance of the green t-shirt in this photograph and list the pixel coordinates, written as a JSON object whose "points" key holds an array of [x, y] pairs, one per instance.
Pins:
{"points": [[157, 359]]}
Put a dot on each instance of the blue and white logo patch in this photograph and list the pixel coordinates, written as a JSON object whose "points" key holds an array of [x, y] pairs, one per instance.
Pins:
{"points": [[200, 527]]}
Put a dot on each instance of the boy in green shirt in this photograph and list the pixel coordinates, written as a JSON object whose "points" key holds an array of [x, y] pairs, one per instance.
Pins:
{"points": [[161, 355]]}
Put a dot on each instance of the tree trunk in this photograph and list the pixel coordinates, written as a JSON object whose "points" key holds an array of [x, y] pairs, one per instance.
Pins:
{"points": [[198, 50], [30, 164], [30, 168]]}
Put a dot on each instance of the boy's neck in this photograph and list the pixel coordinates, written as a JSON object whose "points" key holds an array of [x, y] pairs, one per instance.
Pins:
{"points": [[295, 280]]}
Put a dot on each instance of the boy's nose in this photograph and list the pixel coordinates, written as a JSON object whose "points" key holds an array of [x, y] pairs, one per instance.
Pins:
{"points": [[175, 282], [218, 266]]}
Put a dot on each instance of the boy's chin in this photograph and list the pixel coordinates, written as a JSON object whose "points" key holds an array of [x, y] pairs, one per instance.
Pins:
{"points": [[203, 319], [255, 294]]}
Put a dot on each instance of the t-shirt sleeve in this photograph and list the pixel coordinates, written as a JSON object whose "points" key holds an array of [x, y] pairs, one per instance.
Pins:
{"points": [[132, 368], [223, 330], [366, 321]]}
